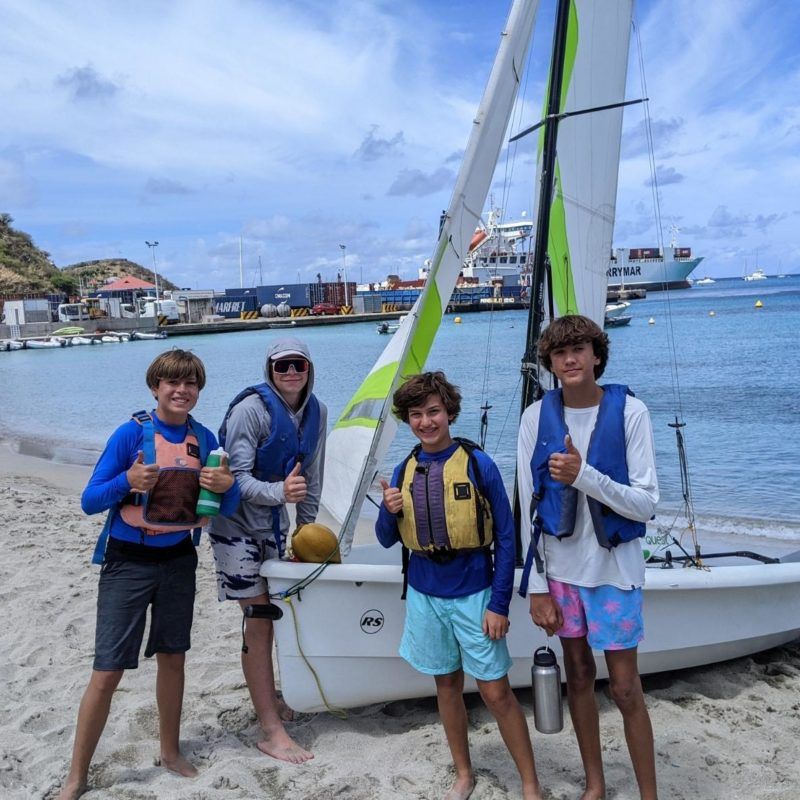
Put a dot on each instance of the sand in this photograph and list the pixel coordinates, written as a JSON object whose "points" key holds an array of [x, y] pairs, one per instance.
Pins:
{"points": [[728, 731]]}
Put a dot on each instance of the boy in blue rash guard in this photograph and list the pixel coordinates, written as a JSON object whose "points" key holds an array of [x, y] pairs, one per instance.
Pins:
{"points": [[150, 564], [447, 504]]}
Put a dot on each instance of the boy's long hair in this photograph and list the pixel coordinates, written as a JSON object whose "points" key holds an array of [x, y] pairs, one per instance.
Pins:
{"points": [[176, 365], [569, 330], [418, 388]]}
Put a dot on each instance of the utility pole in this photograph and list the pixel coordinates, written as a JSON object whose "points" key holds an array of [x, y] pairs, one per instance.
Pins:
{"points": [[344, 273], [152, 246]]}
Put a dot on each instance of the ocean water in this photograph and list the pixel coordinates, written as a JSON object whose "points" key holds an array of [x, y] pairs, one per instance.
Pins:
{"points": [[733, 380]]}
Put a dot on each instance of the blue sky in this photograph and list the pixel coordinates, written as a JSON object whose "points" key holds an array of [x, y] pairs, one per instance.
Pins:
{"points": [[305, 125]]}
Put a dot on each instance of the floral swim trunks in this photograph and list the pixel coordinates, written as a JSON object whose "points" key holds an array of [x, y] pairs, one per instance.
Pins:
{"points": [[609, 618]]}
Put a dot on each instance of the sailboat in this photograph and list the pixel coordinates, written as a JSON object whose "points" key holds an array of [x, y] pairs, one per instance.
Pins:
{"points": [[337, 641]]}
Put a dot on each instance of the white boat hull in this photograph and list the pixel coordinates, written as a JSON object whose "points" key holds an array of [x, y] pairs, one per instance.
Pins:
{"points": [[652, 274], [349, 622]]}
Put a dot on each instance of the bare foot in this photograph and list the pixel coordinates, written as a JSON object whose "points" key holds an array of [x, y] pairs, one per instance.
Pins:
{"points": [[462, 788], [278, 744], [177, 764], [72, 790], [593, 794]]}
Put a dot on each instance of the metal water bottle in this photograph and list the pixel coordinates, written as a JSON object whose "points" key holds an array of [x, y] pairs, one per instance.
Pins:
{"points": [[208, 502], [548, 714]]}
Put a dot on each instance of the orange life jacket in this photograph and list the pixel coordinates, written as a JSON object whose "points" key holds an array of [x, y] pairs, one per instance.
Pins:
{"points": [[170, 505]]}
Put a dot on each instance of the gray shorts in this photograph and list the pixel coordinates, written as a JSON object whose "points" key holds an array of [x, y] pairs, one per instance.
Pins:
{"points": [[238, 560], [126, 590]]}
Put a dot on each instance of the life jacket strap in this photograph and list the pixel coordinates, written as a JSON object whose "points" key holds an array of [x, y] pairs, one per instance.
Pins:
{"points": [[102, 540], [404, 558], [529, 559]]}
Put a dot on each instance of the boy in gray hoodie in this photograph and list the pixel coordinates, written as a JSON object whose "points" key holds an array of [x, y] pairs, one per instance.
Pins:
{"points": [[274, 433]]}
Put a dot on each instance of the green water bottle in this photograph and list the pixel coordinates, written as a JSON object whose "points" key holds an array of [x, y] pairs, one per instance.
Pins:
{"points": [[208, 502]]}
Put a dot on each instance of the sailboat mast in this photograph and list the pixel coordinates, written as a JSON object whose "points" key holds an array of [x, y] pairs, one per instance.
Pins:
{"points": [[531, 389]]}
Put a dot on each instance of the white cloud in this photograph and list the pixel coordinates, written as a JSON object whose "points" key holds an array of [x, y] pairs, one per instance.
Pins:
{"points": [[301, 126]]}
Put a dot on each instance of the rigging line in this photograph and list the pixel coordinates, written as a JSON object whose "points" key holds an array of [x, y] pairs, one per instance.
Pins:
{"points": [[686, 486], [511, 405], [509, 165], [676, 393]]}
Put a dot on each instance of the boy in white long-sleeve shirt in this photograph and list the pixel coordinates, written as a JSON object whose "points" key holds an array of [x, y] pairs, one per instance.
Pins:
{"points": [[586, 459]]}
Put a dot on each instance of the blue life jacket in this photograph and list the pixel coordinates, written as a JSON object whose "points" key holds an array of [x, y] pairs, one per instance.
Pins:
{"points": [[557, 503], [286, 445], [554, 505]]}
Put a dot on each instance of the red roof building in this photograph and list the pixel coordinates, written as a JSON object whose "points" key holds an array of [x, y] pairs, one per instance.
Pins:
{"points": [[127, 284]]}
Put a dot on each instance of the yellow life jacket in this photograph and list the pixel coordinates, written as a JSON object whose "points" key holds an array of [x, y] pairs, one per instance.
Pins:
{"points": [[444, 511]]}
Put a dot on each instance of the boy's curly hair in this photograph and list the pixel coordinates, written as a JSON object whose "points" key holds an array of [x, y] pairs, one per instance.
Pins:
{"points": [[418, 388], [569, 330], [175, 365]]}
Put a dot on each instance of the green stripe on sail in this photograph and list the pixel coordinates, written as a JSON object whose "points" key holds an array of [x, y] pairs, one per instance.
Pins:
{"points": [[563, 282], [366, 404], [430, 317], [558, 249]]}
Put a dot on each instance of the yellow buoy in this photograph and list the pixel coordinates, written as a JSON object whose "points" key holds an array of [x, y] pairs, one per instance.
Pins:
{"points": [[457, 320], [651, 321], [759, 304], [315, 543], [712, 313]]}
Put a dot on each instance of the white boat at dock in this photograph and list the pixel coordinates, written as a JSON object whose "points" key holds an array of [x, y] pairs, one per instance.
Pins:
{"points": [[43, 344]]}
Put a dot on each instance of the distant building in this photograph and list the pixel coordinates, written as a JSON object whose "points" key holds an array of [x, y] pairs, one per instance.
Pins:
{"points": [[126, 289]]}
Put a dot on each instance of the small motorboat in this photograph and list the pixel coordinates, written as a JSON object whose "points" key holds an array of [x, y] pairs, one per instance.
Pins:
{"points": [[615, 316], [43, 344], [705, 281], [11, 344], [141, 335]]}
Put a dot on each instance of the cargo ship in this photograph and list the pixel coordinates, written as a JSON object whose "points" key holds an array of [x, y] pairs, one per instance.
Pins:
{"points": [[651, 268], [502, 250]]}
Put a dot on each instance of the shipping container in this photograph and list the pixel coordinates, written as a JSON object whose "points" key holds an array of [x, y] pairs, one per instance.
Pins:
{"points": [[231, 306], [294, 295], [638, 253], [331, 293], [367, 303], [683, 252], [22, 312]]}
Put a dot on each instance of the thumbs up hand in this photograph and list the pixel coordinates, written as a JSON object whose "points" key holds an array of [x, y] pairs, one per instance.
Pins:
{"points": [[142, 477], [295, 487], [564, 467], [392, 497]]}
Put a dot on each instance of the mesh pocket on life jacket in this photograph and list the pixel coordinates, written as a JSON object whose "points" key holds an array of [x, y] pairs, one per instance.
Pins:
{"points": [[172, 501]]}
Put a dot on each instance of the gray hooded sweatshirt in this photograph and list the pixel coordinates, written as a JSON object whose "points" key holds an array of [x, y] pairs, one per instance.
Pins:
{"points": [[248, 427]]}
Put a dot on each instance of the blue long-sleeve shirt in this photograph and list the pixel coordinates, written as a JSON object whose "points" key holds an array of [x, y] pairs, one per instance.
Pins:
{"points": [[467, 573], [109, 482]]}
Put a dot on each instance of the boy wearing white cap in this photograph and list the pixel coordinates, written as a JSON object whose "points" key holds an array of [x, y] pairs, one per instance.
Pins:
{"points": [[275, 435]]}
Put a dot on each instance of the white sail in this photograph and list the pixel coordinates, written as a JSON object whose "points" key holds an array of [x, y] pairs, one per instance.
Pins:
{"points": [[587, 160], [364, 431]]}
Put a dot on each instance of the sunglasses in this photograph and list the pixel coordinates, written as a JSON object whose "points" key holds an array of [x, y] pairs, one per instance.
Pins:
{"points": [[282, 366]]}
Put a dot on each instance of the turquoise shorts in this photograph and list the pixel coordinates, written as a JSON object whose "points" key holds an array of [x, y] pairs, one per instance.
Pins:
{"points": [[609, 618], [445, 634]]}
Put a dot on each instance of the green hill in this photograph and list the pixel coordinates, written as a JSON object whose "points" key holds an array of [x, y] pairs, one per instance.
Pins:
{"points": [[92, 275], [25, 269], [23, 266]]}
